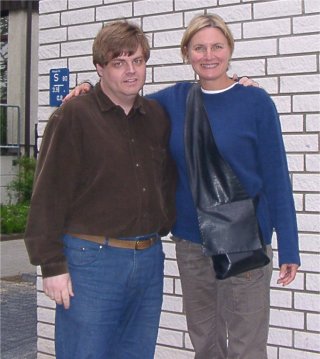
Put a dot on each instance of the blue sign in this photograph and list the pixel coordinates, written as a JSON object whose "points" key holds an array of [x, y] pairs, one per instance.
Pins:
{"points": [[59, 85]]}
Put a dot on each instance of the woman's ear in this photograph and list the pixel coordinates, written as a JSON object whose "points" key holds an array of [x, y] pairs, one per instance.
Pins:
{"points": [[185, 55]]}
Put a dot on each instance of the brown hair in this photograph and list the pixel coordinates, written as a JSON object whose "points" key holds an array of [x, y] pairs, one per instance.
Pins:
{"points": [[198, 23], [120, 37]]}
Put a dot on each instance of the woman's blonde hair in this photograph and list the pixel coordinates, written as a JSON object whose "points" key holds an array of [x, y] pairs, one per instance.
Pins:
{"points": [[117, 38], [198, 23]]}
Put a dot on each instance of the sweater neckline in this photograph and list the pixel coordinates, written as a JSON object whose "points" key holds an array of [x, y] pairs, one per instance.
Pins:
{"points": [[212, 92]]}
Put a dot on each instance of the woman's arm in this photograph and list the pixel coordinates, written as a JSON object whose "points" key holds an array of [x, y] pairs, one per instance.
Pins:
{"points": [[86, 86]]}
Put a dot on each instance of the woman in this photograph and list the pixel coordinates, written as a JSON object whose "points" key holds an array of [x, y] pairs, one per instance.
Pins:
{"points": [[230, 318]]}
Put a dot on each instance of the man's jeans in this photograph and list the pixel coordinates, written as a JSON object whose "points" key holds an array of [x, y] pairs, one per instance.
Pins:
{"points": [[116, 307]]}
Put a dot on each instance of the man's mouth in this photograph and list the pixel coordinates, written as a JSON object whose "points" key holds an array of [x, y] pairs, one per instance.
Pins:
{"points": [[131, 81]]}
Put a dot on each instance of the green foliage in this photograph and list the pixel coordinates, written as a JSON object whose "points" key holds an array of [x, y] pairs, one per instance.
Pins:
{"points": [[14, 215], [13, 218], [20, 189]]}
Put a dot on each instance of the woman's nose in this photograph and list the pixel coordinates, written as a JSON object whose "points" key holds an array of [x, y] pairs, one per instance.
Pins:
{"points": [[209, 52]]}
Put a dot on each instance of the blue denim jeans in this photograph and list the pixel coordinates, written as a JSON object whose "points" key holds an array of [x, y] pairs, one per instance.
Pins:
{"points": [[116, 307]]}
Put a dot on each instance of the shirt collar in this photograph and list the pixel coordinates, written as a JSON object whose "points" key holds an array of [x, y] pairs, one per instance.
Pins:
{"points": [[106, 104]]}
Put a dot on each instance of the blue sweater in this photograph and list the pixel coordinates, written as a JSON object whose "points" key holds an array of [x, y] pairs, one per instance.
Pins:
{"points": [[247, 131]]}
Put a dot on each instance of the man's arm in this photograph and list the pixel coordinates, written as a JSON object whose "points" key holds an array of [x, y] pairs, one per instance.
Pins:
{"points": [[53, 190]]}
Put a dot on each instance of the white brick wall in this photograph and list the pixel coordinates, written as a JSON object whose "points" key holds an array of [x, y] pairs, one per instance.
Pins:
{"points": [[277, 43]]}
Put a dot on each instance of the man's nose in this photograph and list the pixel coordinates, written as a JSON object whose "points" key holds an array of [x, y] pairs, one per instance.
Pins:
{"points": [[130, 67]]}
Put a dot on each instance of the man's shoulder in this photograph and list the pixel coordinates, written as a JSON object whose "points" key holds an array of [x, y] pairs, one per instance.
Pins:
{"points": [[72, 111], [154, 112], [81, 100], [75, 105], [149, 104]]}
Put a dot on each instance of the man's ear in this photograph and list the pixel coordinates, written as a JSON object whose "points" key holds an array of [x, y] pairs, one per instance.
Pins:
{"points": [[99, 69]]}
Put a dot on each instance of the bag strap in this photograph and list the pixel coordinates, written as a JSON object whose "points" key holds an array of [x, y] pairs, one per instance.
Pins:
{"points": [[211, 179]]}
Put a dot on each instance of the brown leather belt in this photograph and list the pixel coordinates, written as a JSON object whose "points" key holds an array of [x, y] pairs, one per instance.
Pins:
{"points": [[119, 243]]}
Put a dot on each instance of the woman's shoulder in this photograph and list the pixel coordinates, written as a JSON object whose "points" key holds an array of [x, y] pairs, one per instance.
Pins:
{"points": [[182, 87], [254, 95], [253, 90], [173, 90]]}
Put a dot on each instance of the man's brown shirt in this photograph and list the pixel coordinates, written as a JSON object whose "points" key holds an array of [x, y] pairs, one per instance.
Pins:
{"points": [[100, 172]]}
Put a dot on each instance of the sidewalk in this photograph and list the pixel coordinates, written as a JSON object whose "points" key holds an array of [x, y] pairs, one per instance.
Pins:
{"points": [[18, 302], [14, 259]]}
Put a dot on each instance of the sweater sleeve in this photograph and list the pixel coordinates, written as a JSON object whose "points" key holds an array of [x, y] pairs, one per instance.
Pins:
{"points": [[54, 187], [160, 96], [276, 180]]}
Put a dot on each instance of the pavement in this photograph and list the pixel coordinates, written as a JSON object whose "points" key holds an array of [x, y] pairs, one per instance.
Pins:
{"points": [[18, 302]]}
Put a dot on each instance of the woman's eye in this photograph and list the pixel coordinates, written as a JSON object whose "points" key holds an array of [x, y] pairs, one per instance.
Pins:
{"points": [[218, 47], [199, 48]]}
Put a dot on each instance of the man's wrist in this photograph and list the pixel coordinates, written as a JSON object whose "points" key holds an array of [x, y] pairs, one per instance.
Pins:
{"points": [[53, 269]]}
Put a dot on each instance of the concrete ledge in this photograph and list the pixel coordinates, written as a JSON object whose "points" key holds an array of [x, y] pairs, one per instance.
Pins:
{"points": [[9, 237]]}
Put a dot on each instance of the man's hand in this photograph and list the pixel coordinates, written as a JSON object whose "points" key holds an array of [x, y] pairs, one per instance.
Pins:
{"points": [[287, 273], [78, 90], [245, 81], [59, 289]]}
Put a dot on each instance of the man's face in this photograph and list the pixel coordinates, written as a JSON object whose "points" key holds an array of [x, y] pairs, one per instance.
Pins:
{"points": [[123, 77]]}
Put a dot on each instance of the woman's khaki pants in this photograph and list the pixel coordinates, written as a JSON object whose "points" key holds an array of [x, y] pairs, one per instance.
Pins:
{"points": [[227, 319]]}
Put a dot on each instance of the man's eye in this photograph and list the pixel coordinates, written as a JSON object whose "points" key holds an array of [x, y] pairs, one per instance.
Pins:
{"points": [[117, 63], [138, 61]]}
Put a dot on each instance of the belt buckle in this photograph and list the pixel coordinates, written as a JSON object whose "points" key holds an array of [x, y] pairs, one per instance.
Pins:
{"points": [[137, 245]]}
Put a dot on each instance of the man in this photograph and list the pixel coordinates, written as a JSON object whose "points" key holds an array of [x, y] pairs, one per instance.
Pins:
{"points": [[103, 195]]}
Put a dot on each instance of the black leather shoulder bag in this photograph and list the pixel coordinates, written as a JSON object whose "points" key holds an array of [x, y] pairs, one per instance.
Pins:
{"points": [[229, 228]]}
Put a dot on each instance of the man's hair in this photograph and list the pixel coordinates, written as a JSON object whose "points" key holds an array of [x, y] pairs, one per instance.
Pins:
{"points": [[116, 39], [200, 22]]}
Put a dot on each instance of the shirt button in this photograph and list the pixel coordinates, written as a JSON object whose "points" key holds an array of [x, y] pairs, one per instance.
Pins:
{"points": [[132, 140], [144, 189], [137, 165]]}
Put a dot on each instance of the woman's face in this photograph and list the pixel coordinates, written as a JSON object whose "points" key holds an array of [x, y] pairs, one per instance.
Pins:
{"points": [[209, 54]]}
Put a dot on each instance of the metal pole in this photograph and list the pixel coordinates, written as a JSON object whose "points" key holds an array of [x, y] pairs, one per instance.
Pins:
{"points": [[28, 79]]}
